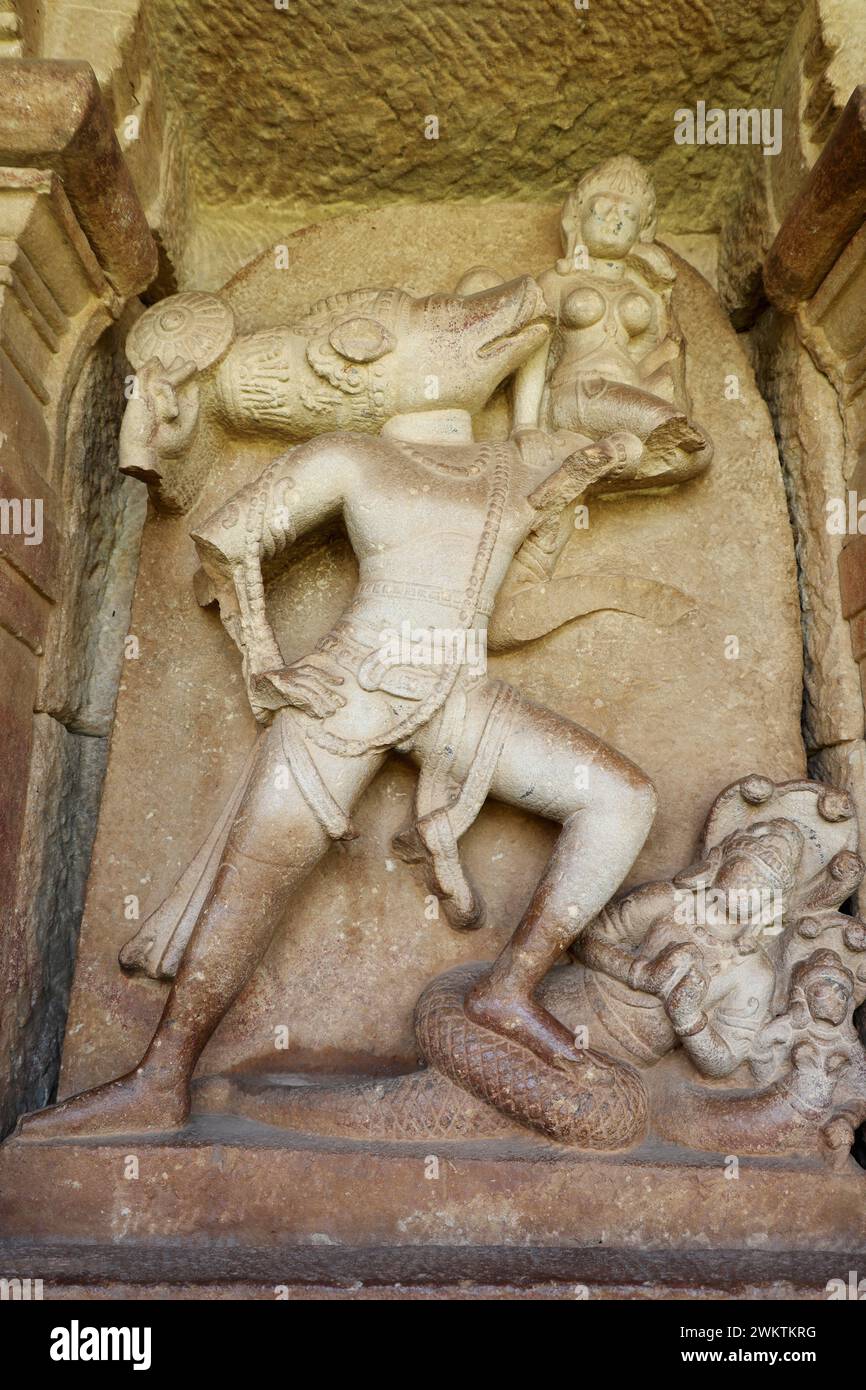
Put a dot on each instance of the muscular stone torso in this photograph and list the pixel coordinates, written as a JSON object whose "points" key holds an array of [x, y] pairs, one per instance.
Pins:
{"points": [[434, 529], [417, 524]]}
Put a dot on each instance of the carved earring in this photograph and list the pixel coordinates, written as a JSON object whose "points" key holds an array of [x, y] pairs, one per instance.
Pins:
{"points": [[568, 228]]}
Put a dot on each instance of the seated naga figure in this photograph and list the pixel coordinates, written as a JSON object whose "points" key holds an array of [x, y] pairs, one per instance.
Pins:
{"points": [[616, 360], [684, 961], [436, 520], [704, 961], [710, 976]]}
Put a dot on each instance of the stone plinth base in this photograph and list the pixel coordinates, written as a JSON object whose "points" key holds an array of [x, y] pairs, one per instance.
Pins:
{"points": [[228, 1202]]}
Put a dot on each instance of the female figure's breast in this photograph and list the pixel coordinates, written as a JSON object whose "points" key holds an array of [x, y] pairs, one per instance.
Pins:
{"points": [[597, 325], [635, 313], [583, 307]]}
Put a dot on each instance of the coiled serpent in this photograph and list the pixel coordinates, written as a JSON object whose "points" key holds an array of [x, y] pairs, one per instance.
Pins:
{"points": [[477, 1085], [600, 1104]]}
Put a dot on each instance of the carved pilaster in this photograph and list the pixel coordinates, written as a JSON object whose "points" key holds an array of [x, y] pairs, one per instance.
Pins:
{"points": [[74, 247], [815, 370]]}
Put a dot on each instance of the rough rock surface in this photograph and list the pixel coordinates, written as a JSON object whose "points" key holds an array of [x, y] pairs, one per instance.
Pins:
{"points": [[328, 104], [66, 772], [844, 765], [807, 417], [53, 784], [104, 513], [820, 67]]}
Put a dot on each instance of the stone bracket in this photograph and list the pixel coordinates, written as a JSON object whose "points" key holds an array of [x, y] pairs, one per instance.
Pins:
{"points": [[829, 209], [52, 116]]}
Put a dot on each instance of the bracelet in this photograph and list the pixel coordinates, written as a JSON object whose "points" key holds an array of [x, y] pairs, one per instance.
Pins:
{"points": [[632, 981], [695, 1028]]}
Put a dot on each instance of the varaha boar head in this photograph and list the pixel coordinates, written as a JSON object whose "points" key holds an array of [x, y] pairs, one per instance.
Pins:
{"points": [[357, 359]]}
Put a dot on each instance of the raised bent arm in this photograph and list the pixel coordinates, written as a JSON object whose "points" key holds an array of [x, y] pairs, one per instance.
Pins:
{"points": [[299, 491], [720, 1039], [715, 1053], [611, 940], [582, 464]]}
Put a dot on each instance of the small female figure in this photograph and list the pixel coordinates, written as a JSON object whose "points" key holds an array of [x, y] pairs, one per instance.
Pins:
{"points": [[616, 361]]}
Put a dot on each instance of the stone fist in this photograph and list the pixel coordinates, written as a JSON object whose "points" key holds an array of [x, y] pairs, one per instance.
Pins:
{"points": [[613, 457], [683, 1003], [660, 974]]}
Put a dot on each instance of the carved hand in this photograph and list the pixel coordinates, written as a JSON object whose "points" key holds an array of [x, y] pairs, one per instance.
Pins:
{"points": [[683, 1004], [660, 975], [159, 418], [302, 686], [837, 1138], [611, 457], [839, 1132]]}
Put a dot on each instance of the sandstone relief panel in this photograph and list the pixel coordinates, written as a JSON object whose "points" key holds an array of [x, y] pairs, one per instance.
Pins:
{"points": [[608, 460], [456, 793], [446, 626]]}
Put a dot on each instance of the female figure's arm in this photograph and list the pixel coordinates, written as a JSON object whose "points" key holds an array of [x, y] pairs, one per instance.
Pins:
{"points": [[529, 383], [531, 376], [663, 367]]}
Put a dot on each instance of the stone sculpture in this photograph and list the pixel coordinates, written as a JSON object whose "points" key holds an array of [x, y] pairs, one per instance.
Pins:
{"points": [[716, 1009], [351, 362], [729, 978], [616, 359], [436, 520], [708, 953]]}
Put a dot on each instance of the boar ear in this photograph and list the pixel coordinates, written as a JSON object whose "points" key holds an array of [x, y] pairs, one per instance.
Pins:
{"points": [[361, 339]]}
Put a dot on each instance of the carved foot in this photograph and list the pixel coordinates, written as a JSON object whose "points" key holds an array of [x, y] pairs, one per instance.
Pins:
{"points": [[521, 1020], [134, 1104], [518, 1059]]}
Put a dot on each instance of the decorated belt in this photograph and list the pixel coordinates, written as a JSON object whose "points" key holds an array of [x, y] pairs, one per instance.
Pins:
{"points": [[429, 593]]}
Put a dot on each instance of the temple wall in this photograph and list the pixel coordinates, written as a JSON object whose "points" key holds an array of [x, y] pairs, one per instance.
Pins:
{"points": [[214, 189], [70, 531]]}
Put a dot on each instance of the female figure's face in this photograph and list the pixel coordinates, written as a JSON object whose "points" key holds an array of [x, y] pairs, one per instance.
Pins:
{"points": [[828, 999], [609, 225]]}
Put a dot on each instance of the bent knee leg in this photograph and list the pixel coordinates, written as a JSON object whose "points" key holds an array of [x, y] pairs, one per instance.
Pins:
{"points": [[619, 800], [278, 820], [623, 791], [556, 768], [273, 824]]}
